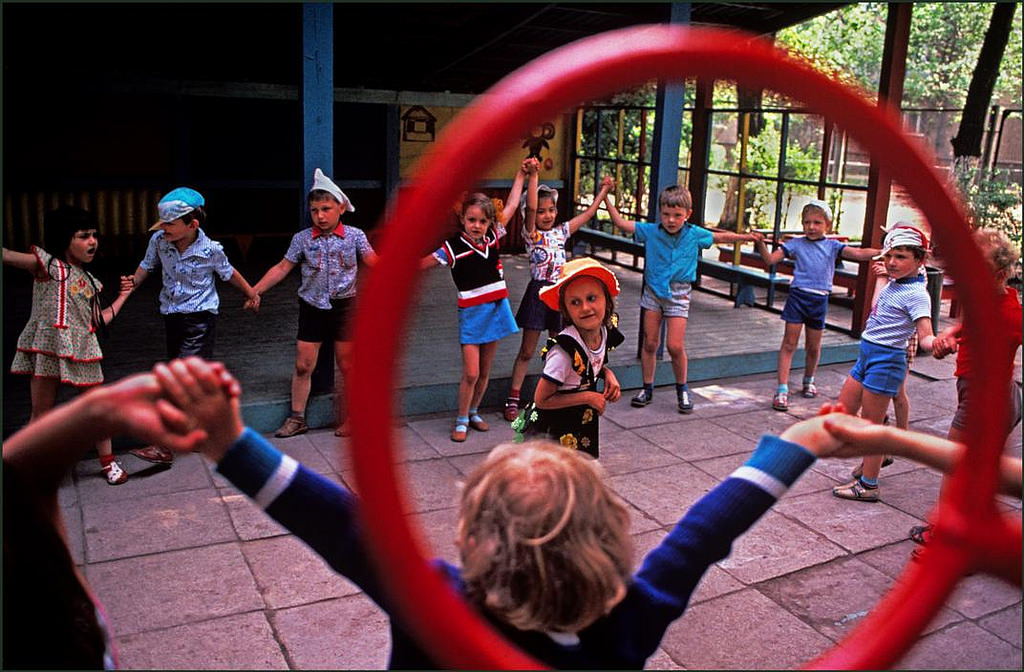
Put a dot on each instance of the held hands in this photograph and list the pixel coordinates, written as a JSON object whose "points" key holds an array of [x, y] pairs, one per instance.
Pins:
{"points": [[127, 285], [253, 302], [530, 167], [607, 184], [944, 345]]}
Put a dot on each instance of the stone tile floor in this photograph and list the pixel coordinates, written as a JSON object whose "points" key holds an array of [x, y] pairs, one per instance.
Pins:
{"points": [[194, 576]]}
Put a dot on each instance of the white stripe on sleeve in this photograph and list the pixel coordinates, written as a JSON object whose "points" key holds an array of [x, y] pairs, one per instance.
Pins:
{"points": [[763, 480], [278, 481]]}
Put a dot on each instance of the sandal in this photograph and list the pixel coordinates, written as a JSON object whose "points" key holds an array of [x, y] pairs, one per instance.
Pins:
{"points": [[780, 402], [858, 471], [855, 490], [921, 534], [511, 409], [478, 423]]}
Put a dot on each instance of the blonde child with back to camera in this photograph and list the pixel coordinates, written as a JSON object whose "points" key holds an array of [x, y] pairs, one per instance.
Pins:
{"points": [[545, 245], [814, 258], [567, 404], [544, 543], [903, 307], [484, 314]]}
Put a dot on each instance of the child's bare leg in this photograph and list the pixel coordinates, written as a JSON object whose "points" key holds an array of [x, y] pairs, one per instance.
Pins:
{"points": [[790, 340], [901, 406], [652, 339], [526, 350], [343, 357], [43, 393], [812, 350], [487, 351], [470, 374], [305, 361], [874, 409], [675, 343]]}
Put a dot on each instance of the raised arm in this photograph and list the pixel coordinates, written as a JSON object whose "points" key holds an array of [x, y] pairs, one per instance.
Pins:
{"points": [[514, 194], [607, 184], [530, 218], [769, 258], [23, 260], [732, 237], [627, 225], [857, 437], [859, 253]]}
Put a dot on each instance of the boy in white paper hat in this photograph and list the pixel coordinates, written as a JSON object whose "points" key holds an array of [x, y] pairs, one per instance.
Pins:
{"points": [[328, 252], [190, 263], [903, 308]]}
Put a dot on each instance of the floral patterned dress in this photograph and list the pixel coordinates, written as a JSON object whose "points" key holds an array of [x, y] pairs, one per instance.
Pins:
{"points": [[59, 340], [575, 427]]}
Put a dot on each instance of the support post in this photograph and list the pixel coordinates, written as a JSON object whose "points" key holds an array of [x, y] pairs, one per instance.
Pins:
{"points": [[890, 95], [317, 101]]}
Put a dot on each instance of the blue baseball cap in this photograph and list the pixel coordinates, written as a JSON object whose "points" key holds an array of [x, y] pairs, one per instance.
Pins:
{"points": [[177, 203]]}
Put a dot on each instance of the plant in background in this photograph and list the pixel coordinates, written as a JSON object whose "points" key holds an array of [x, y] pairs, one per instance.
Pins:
{"points": [[992, 200]]}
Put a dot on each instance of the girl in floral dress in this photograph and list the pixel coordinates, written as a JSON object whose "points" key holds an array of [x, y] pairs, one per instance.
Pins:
{"points": [[59, 344]]}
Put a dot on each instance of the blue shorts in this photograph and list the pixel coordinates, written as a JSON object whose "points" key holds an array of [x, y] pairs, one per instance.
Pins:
{"points": [[879, 368], [534, 314], [486, 323], [807, 308]]}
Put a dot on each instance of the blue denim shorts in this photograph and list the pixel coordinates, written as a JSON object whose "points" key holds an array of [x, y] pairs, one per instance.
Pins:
{"points": [[807, 308], [879, 368]]}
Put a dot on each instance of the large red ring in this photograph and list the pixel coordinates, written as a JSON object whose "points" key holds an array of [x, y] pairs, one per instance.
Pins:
{"points": [[586, 70]]}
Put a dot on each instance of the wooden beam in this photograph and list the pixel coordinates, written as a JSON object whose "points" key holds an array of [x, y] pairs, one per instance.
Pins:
{"points": [[890, 96]]}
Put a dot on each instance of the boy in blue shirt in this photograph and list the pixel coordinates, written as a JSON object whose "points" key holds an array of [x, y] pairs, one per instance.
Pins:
{"points": [[672, 248], [814, 265], [190, 263]]}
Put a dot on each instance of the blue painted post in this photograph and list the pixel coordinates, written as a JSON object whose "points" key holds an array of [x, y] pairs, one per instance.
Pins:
{"points": [[316, 96], [668, 134]]}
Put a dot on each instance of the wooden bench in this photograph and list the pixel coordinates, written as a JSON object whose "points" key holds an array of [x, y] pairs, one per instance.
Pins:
{"points": [[744, 277], [595, 240]]}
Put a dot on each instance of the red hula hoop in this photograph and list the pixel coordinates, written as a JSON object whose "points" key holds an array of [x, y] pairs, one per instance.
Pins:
{"points": [[447, 628]]}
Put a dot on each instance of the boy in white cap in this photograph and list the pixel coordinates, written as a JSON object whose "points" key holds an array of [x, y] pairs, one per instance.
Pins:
{"points": [[814, 264], [903, 308], [329, 253], [190, 262]]}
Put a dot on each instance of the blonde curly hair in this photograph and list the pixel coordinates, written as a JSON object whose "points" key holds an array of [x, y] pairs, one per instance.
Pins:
{"points": [[544, 542], [998, 251]]}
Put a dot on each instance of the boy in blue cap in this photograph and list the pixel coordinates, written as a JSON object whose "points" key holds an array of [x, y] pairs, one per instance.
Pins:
{"points": [[190, 262]]}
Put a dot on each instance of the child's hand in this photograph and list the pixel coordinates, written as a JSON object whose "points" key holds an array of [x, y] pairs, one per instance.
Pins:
{"points": [[607, 183], [612, 391], [208, 394], [758, 238], [530, 166], [854, 436], [253, 303], [127, 285], [812, 435], [596, 401], [878, 268], [943, 345]]}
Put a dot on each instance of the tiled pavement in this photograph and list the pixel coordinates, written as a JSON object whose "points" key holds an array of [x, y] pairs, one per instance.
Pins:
{"points": [[194, 576]]}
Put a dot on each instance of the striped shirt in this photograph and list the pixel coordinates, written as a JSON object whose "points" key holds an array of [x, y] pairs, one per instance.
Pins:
{"points": [[476, 269], [901, 303], [188, 277], [328, 262]]}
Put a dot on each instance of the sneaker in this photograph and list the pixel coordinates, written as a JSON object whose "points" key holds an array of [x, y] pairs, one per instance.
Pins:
{"points": [[154, 454], [858, 471], [291, 427], [780, 402], [478, 423], [115, 474], [642, 398], [684, 403], [809, 391], [511, 409], [459, 433], [857, 491]]}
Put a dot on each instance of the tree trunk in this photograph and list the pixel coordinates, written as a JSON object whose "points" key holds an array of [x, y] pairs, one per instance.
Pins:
{"points": [[967, 141]]}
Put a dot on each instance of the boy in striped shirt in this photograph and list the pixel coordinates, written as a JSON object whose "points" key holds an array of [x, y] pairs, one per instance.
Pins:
{"points": [[903, 308]]}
